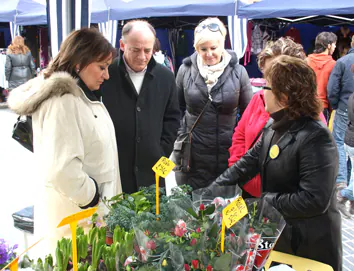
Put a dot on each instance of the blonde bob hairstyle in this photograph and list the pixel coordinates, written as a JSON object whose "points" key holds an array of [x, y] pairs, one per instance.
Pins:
{"points": [[203, 34]]}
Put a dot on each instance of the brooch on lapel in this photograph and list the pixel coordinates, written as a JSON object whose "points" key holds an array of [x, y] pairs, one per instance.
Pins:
{"points": [[274, 151]]}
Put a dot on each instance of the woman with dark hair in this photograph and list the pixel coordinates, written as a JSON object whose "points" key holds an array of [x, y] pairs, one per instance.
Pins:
{"points": [[322, 63], [74, 138], [19, 66], [298, 162]]}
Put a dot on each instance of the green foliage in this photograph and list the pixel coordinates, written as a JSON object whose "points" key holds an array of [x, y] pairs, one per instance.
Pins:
{"points": [[62, 253], [83, 266], [123, 243], [223, 262], [108, 256], [120, 216]]}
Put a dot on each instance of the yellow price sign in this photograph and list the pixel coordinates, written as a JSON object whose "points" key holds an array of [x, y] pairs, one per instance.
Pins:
{"points": [[72, 221], [163, 167], [234, 212]]}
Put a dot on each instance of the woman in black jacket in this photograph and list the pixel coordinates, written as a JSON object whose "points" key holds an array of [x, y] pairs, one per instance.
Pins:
{"points": [[210, 73], [298, 162]]}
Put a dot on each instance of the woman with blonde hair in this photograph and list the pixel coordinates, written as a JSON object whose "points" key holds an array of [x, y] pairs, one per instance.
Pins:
{"points": [[74, 138], [19, 67], [211, 73]]}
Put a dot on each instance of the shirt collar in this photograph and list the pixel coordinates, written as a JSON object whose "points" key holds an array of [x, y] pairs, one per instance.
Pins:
{"points": [[130, 70]]}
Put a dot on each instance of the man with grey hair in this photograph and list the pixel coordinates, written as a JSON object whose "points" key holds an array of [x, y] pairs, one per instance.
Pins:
{"points": [[142, 100]]}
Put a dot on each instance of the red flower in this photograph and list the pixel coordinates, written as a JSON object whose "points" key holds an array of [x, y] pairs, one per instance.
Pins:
{"points": [[201, 207], [240, 268], [187, 267], [151, 245], [147, 233], [195, 264], [209, 268], [198, 230], [193, 242]]}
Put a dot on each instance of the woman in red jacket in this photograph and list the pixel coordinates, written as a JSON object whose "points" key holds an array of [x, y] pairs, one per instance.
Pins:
{"points": [[255, 117]]}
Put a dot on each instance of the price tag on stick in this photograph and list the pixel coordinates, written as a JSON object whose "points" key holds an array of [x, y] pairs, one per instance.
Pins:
{"points": [[162, 168], [230, 215], [72, 221], [234, 212]]}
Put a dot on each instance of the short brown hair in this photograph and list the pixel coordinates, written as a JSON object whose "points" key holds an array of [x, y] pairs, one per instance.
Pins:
{"points": [[81, 47], [323, 40], [295, 79], [282, 46]]}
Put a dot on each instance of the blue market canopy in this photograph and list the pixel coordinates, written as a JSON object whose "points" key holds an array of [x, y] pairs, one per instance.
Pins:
{"points": [[294, 8], [128, 9], [23, 12]]}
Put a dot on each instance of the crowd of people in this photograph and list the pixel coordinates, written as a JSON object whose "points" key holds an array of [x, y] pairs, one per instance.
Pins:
{"points": [[101, 120]]}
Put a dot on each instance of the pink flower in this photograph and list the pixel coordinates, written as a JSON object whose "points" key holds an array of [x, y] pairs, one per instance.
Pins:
{"points": [[198, 230], [143, 254], [181, 224], [187, 267], [209, 268], [151, 245], [193, 242], [181, 228], [219, 201], [128, 261], [195, 264], [201, 207], [179, 231]]}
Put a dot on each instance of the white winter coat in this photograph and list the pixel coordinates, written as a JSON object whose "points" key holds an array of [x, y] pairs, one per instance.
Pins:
{"points": [[74, 141]]}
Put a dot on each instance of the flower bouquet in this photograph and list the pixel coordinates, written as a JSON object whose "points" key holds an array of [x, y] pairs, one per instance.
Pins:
{"points": [[186, 235]]}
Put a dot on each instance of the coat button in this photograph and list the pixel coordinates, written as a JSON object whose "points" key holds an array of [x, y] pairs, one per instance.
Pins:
{"points": [[138, 109], [138, 139], [136, 169]]}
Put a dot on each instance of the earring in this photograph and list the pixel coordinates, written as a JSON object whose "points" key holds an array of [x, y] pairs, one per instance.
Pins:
{"points": [[77, 71]]}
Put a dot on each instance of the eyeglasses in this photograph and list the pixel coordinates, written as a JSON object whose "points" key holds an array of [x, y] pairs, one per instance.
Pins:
{"points": [[267, 88], [213, 27]]}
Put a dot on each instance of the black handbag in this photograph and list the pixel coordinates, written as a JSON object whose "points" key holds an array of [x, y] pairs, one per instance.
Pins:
{"points": [[182, 148], [23, 133]]}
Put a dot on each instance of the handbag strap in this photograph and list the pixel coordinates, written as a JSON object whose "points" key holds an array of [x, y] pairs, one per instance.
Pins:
{"points": [[266, 126], [200, 115]]}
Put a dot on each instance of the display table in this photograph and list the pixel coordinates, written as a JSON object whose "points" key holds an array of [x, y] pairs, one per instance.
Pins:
{"points": [[297, 263]]}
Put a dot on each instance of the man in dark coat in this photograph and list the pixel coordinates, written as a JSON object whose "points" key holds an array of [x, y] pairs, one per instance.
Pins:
{"points": [[142, 100], [340, 86]]}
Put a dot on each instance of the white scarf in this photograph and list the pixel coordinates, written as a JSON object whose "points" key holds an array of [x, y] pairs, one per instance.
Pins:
{"points": [[211, 74]]}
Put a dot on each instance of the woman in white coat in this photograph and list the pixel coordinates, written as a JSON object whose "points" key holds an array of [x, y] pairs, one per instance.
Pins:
{"points": [[74, 138]]}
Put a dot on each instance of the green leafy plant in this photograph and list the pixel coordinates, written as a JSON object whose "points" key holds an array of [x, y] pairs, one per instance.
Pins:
{"points": [[62, 253]]}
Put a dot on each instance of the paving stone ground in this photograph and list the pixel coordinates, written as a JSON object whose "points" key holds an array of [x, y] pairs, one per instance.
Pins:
{"points": [[348, 244]]}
